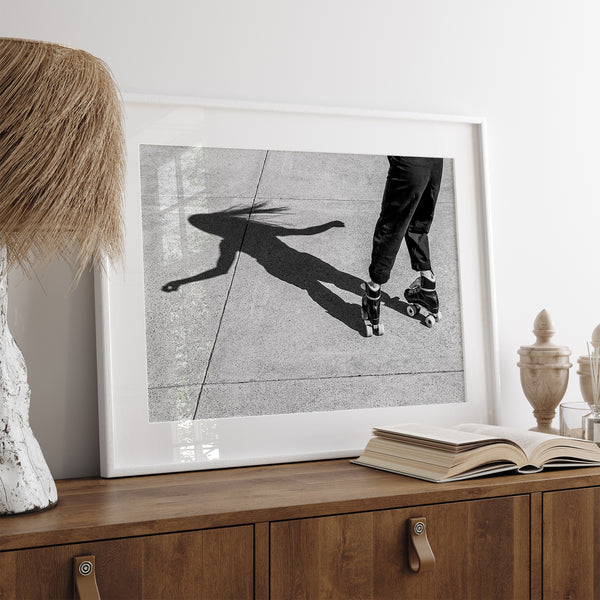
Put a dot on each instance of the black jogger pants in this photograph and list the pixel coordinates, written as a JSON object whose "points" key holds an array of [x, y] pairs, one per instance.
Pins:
{"points": [[407, 210]]}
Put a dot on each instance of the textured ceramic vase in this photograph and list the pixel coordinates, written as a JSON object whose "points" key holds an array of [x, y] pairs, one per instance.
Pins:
{"points": [[26, 484], [544, 373]]}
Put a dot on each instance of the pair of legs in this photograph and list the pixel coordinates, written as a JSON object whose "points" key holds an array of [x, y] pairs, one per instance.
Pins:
{"points": [[407, 211]]}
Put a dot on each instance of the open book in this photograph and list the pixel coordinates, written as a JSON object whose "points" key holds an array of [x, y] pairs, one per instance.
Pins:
{"points": [[471, 450]]}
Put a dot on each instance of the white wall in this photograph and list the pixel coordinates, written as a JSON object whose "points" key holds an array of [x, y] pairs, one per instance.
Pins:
{"points": [[529, 67]]}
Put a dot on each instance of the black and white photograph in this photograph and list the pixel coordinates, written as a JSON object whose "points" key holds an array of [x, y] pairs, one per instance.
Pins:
{"points": [[281, 282]]}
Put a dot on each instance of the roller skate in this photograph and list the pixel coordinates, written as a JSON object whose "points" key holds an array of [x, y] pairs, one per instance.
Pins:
{"points": [[371, 311], [423, 299]]}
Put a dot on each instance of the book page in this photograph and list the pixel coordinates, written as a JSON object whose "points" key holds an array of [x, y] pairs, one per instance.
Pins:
{"points": [[527, 440], [445, 435]]}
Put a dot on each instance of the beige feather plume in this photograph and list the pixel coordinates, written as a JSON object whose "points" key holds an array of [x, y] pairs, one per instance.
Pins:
{"points": [[62, 159]]}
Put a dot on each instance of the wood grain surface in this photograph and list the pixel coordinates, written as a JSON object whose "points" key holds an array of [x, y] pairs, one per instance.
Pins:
{"points": [[325, 529], [96, 509], [206, 565], [481, 549], [571, 530]]}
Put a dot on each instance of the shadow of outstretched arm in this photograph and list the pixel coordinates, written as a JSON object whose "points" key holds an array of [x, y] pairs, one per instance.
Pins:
{"points": [[314, 230], [224, 263]]}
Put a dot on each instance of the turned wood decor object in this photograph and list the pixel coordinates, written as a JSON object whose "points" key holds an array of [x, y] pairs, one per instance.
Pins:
{"points": [[584, 371], [62, 165], [591, 421], [544, 373]]}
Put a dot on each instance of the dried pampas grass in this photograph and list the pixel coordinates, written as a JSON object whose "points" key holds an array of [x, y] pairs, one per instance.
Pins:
{"points": [[62, 160]]}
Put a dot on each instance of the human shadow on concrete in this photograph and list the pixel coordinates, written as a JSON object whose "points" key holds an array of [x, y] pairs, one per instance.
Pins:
{"points": [[261, 239]]}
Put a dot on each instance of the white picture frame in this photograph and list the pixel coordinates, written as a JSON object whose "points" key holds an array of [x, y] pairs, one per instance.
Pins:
{"points": [[132, 445]]}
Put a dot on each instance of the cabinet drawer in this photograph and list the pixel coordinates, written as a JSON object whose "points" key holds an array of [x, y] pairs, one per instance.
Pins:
{"points": [[209, 564], [571, 533], [481, 549]]}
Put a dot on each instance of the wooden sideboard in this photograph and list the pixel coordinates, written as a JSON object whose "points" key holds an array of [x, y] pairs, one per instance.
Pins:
{"points": [[326, 529]]}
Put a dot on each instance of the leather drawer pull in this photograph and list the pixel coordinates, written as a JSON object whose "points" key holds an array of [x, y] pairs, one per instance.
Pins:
{"points": [[420, 555], [84, 575]]}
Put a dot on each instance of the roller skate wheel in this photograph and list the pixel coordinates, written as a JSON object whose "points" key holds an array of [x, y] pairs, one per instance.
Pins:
{"points": [[368, 329], [378, 329], [430, 321], [411, 310]]}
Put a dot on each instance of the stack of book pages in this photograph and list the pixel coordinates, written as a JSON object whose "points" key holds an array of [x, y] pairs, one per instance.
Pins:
{"points": [[471, 450]]}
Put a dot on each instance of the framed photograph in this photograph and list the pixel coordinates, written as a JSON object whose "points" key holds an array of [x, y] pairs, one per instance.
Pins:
{"points": [[235, 334]]}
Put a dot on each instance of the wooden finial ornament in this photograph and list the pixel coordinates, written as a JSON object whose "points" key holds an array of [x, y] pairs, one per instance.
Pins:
{"points": [[596, 337], [543, 329], [591, 421], [584, 371], [544, 372]]}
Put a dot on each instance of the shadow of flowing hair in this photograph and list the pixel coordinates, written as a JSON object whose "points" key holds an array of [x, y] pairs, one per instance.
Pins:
{"points": [[259, 209], [62, 160]]}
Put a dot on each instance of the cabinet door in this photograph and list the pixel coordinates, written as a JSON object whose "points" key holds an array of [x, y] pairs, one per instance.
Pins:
{"points": [[571, 552], [211, 564], [481, 549]]}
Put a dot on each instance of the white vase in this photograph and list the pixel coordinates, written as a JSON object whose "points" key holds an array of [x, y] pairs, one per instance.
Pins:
{"points": [[26, 484]]}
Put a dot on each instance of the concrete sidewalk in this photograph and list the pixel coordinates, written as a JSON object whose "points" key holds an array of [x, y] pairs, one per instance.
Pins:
{"points": [[262, 312]]}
